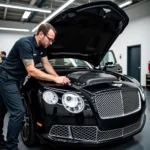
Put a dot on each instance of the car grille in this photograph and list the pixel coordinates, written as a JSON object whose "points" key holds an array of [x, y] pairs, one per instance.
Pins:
{"points": [[117, 103], [60, 131], [92, 133], [84, 133]]}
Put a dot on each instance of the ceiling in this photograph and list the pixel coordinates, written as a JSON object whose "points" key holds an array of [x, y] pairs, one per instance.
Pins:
{"points": [[11, 14]]}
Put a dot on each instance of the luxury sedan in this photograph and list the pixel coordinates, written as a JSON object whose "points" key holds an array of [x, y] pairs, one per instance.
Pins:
{"points": [[99, 106]]}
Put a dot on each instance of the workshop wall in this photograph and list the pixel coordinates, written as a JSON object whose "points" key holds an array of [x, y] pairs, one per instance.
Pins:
{"points": [[137, 32]]}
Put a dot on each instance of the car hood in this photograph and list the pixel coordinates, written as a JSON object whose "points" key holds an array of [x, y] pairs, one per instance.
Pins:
{"points": [[88, 31]]}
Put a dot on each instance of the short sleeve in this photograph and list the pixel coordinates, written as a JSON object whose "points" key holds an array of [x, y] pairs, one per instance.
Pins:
{"points": [[44, 53], [25, 49]]}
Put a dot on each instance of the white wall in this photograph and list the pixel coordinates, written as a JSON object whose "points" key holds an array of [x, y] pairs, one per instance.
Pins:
{"points": [[8, 38], [137, 32]]}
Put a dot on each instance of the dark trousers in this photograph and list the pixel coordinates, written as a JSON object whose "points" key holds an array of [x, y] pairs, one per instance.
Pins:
{"points": [[10, 100]]}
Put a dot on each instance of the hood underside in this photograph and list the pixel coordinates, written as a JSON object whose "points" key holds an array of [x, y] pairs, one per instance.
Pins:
{"points": [[88, 31]]}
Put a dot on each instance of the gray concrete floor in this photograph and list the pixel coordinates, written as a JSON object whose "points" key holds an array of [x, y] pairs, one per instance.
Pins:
{"points": [[139, 142]]}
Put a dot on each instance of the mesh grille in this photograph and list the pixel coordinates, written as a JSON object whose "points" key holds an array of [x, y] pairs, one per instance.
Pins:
{"points": [[109, 104], [132, 128], [130, 100], [60, 131], [117, 103], [92, 133], [111, 134], [84, 133]]}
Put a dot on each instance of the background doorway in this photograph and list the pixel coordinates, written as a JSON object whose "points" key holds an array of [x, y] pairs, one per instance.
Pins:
{"points": [[134, 62]]}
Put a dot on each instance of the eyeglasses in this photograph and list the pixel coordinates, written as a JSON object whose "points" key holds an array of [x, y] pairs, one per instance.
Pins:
{"points": [[50, 39]]}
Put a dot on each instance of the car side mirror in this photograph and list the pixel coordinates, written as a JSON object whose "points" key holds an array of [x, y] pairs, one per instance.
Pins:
{"points": [[108, 65]]}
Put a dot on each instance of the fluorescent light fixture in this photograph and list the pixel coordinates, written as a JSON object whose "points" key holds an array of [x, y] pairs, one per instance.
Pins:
{"points": [[26, 14], [125, 3], [14, 29], [24, 8], [54, 13]]}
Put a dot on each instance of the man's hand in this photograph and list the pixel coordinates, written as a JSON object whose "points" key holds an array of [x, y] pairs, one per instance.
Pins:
{"points": [[62, 80]]}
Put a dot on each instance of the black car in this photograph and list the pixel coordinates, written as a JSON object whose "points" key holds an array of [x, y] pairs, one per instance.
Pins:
{"points": [[99, 106]]}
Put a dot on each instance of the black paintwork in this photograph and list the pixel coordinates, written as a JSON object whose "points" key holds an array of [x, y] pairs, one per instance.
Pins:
{"points": [[50, 115], [92, 29]]}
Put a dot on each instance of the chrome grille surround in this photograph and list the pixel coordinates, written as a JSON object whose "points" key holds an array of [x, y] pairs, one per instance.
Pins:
{"points": [[92, 133], [117, 103]]}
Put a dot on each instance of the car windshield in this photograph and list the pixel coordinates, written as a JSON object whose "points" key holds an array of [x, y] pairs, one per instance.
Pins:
{"points": [[71, 62]]}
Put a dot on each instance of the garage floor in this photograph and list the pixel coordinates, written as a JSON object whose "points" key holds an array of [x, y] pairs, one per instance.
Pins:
{"points": [[139, 142]]}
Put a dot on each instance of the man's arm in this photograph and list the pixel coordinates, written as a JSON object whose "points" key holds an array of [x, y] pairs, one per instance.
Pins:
{"points": [[48, 67], [38, 74]]}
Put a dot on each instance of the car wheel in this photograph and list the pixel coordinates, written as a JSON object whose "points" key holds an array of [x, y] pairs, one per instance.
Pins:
{"points": [[27, 132]]}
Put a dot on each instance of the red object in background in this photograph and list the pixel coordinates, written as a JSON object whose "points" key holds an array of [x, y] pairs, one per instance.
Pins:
{"points": [[149, 66], [120, 56]]}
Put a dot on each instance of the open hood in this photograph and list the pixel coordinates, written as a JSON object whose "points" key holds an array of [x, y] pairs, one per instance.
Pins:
{"points": [[88, 31]]}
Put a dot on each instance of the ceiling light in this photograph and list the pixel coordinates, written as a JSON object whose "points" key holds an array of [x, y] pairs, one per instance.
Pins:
{"points": [[54, 13], [14, 29], [26, 14], [125, 3], [24, 8]]}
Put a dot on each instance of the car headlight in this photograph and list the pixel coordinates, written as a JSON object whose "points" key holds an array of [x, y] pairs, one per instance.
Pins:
{"points": [[142, 93], [73, 102], [50, 97]]}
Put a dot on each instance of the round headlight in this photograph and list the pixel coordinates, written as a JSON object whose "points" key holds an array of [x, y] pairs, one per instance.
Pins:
{"points": [[50, 97], [73, 102]]}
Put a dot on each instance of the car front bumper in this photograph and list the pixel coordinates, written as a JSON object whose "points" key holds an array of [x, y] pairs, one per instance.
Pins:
{"points": [[89, 135]]}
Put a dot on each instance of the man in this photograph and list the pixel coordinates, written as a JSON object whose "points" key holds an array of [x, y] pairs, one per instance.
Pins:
{"points": [[3, 56], [20, 62]]}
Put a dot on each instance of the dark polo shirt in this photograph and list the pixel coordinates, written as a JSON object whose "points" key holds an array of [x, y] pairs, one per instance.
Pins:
{"points": [[24, 48], [3, 58]]}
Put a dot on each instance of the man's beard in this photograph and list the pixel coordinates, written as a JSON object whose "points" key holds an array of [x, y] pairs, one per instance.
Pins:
{"points": [[42, 44]]}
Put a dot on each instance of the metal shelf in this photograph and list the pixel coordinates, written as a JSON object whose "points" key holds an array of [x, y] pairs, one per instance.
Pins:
{"points": [[148, 81]]}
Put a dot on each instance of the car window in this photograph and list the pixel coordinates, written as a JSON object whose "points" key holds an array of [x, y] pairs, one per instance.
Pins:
{"points": [[70, 62], [67, 62], [80, 62], [109, 57]]}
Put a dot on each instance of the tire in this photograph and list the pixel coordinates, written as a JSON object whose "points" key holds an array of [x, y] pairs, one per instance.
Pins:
{"points": [[28, 128]]}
